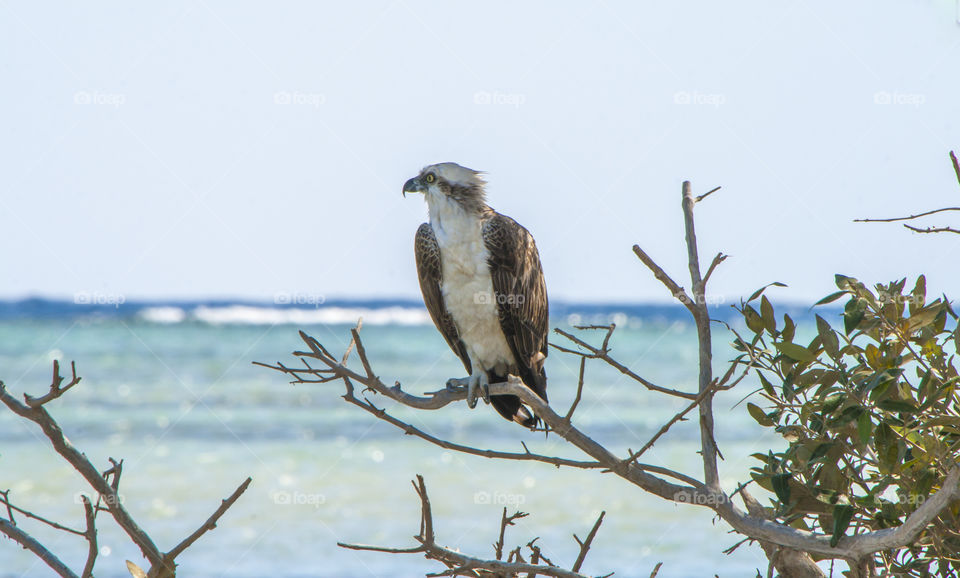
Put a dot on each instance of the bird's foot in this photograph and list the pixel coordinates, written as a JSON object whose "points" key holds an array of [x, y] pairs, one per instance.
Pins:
{"points": [[472, 384], [456, 384]]}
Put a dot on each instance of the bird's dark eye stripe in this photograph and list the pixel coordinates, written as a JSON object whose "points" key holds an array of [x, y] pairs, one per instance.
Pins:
{"points": [[430, 177]]}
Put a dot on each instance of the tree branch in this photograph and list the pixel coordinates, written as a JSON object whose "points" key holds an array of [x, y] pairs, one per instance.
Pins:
{"points": [[701, 317], [461, 564], [29, 543], [602, 353], [106, 484], [211, 522]]}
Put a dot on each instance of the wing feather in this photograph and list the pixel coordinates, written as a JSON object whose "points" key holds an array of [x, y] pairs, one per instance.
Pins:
{"points": [[521, 296], [430, 272]]}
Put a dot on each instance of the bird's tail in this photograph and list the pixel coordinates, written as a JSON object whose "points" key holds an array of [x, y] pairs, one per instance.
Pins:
{"points": [[510, 407]]}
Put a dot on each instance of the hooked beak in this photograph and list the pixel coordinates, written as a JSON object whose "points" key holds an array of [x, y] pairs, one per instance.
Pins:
{"points": [[413, 186]]}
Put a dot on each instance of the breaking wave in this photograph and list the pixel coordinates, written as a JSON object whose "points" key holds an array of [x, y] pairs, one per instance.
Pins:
{"points": [[253, 315]]}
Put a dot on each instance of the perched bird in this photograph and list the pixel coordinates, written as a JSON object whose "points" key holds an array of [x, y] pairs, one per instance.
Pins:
{"points": [[482, 282]]}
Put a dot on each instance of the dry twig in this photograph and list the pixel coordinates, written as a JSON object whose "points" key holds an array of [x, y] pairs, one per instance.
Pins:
{"points": [[105, 484]]}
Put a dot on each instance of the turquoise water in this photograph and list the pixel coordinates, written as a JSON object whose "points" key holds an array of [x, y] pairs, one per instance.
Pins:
{"points": [[182, 404]]}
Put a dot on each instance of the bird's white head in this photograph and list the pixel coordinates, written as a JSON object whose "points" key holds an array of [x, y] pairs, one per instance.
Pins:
{"points": [[445, 182]]}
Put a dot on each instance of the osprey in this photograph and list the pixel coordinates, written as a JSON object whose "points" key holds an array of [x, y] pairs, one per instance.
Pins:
{"points": [[481, 280]]}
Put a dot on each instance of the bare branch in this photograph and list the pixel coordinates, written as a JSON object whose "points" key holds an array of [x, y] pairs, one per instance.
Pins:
{"points": [[90, 515], [210, 524], [702, 318], [346, 354], [410, 429], [956, 170], [38, 549], [461, 564], [106, 484], [55, 389], [603, 354], [678, 417], [931, 229], [676, 290], [707, 194], [12, 508], [505, 521], [585, 544], [80, 463], [576, 400], [907, 218], [720, 258]]}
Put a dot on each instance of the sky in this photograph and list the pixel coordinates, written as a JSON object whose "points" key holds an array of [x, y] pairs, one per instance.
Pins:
{"points": [[249, 150]]}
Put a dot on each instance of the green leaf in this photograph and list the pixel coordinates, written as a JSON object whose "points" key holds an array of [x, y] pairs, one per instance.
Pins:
{"points": [[789, 328], [781, 487], [797, 352], [853, 314], [843, 282], [897, 405], [830, 298], [758, 414], [820, 451], [832, 402], [848, 415], [759, 291], [887, 448], [864, 427], [842, 514], [923, 317], [754, 322], [919, 294], [767, 386], [766, 314], [829, 339]]}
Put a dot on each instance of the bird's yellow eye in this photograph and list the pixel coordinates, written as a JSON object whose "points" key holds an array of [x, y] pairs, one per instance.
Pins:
{"points": [[430, 178]]}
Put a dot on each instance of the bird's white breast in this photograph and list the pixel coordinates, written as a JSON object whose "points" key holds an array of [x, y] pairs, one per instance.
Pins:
{"points": [[467, 286]]}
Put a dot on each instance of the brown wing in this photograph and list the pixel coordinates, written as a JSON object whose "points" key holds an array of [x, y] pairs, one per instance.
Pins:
{"points": [[521, 296], [430, 272]]}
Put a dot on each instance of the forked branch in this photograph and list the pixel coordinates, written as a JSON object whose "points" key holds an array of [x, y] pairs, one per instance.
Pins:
{"points": [[105, 484], [459, 564]]}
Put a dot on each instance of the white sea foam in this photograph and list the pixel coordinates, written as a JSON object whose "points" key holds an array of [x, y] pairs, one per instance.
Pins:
{"points": [[251, 315], [163, 314]]}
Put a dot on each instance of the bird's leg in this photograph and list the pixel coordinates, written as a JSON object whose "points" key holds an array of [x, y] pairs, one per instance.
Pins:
{"points": [[472, 383], [484, 389]]}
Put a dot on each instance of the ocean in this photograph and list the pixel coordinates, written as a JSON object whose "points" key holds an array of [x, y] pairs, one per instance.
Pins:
{"points": [[171, 389]]}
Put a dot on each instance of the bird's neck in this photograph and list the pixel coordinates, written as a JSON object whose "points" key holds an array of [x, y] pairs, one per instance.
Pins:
{"points": [[449, 215]]}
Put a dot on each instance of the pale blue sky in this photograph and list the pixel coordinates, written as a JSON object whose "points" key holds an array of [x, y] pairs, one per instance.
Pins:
{"points": [[237, 149]]}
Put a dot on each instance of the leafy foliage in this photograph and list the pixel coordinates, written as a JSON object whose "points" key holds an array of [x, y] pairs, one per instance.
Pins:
{"points": [[871, 414]]}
